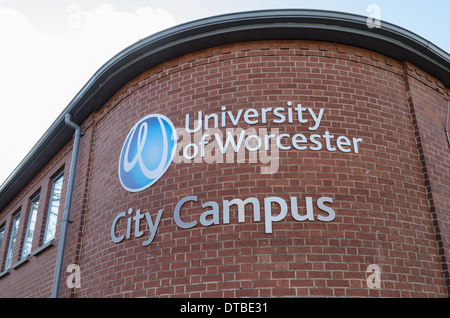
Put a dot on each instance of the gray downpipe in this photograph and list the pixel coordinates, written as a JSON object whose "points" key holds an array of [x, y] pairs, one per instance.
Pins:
{"points": [[67, 205], [446, 125]]}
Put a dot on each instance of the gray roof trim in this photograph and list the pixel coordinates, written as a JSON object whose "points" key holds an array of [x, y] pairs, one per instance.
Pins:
{"points": [[329, 26]]}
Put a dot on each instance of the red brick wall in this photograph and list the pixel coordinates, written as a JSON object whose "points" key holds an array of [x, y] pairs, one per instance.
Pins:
{"points": [[381, 199], [35, 277], [428, 99]]}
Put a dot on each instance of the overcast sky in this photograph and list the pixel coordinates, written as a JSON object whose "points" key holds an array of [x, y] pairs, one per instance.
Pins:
{"points": [[50, 48]]}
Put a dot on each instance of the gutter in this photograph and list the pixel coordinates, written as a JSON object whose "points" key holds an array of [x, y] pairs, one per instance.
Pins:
{"points": [[68, 203]]}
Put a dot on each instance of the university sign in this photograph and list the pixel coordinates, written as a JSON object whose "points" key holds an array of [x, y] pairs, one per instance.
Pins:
{"points": [[212, 215], [147, 153], [153, 143]]}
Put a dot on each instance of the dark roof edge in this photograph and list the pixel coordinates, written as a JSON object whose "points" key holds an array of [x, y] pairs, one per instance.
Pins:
{"points": [[390, 40]]}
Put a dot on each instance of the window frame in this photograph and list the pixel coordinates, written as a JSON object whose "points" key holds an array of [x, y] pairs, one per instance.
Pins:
{"points": [[2, 233], [12, 240], [33, 211], [58, 176]]}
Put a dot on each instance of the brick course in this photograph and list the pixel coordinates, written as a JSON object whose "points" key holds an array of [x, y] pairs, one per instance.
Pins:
{"points": [[390, 199]]}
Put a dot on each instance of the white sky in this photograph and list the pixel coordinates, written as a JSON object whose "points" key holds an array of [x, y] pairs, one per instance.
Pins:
{"points": [[50, 48]]}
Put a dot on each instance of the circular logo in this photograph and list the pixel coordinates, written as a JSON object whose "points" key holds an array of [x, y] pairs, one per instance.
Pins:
{"points": [[147, 152]]}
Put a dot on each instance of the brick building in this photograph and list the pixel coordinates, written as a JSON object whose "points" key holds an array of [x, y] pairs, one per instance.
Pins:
{"points": [[262, 154]]}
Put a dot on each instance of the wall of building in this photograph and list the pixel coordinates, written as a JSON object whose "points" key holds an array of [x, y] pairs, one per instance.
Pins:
{"points": [[381, 194], [33, 278], [428, 99]]}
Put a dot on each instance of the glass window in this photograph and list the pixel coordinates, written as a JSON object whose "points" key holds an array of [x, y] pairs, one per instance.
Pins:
{"points": [[53, 208], [30, 227], [12, 240], [2, 231]]}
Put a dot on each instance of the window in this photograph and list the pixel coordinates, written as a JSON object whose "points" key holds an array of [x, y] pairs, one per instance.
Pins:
{"points": [[12, 240], [53, 208], [30, 227], [2, 231]]}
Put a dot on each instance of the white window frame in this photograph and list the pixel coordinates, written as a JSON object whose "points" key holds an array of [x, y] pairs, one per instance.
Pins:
{"points": [[31, 225], [12, 240], [51, 213]]}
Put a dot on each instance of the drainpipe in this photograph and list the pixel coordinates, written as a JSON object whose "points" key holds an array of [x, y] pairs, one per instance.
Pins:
{"points": [[446, 125], [66, 218]]}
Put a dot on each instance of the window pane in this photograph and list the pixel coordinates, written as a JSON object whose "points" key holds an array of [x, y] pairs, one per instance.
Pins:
{"points": [[12, 240], [52, 216], [2, 231], [31, 225]]}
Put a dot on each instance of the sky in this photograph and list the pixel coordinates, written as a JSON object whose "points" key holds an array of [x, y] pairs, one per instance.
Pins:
{"points": [[49, 49]]}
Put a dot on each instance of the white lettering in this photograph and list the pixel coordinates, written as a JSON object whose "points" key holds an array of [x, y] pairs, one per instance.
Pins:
{"points": [[211, 215], [176, 213], [277, 113], [193, 153], [355, 144], [317, 119], [314, 141], [331, 215], [309, 211], [214, 212], [300, 110], [279, 142], [235, 120], [114, 238], [302, 140], [251, 113], [343, 141], [241, 209], [258, 143], [269, 218], [152, 226], [199, 123], [230, 139]]}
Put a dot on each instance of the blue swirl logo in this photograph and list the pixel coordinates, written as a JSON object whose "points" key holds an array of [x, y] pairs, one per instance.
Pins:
{"points": [[147, 152]]}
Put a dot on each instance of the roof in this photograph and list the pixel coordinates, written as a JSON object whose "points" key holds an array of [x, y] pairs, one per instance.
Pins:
{"points": [[390, 40]]}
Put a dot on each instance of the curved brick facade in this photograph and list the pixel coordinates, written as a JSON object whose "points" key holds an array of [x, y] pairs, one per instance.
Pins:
{"points": [[388, 195]]}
